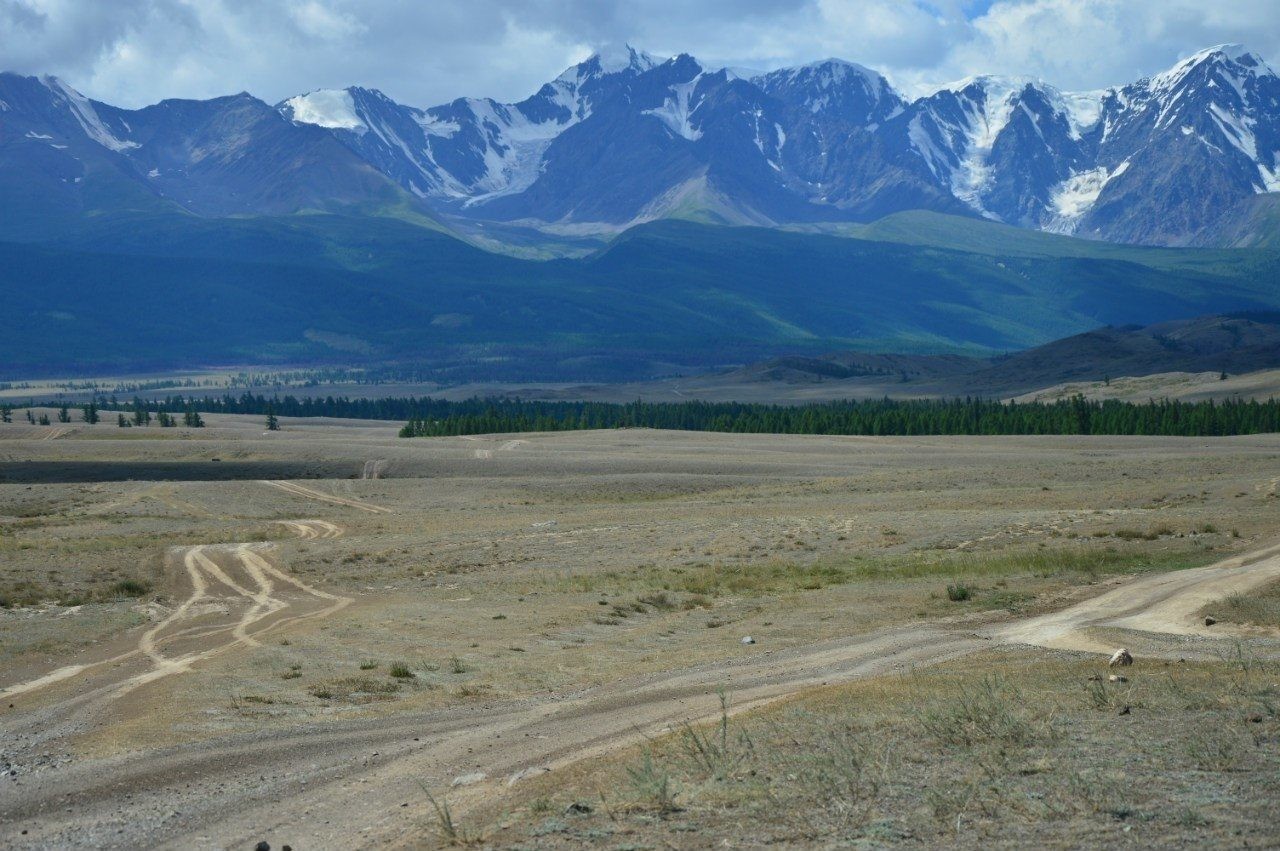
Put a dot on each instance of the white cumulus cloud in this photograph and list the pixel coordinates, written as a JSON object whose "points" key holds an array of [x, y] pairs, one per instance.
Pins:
{"points": [[133, 52]]}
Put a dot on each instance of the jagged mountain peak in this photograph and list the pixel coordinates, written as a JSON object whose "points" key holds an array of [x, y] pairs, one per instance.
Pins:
{"points": [[836, 86], [85, 112], [828, 72], [1232, 62], [615, 59], [995, 84], [995, 96], [1236, 54], [624, 132]]}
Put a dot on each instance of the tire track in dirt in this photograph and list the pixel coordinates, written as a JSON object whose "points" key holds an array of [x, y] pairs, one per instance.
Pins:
{"points": [[237, 790], [373, 469], [311, 493], [313, 529], [249, 577], [487, 454]]}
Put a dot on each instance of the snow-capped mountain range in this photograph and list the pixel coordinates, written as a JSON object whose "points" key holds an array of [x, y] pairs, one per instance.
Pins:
{"points": [[622, 138]]}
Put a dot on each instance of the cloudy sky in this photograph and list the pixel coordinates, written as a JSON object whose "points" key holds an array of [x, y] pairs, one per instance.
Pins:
{"points": [[423, 52]]}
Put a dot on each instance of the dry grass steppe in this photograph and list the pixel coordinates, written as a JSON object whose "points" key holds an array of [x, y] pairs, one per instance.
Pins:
{"points": [[494, 586]]}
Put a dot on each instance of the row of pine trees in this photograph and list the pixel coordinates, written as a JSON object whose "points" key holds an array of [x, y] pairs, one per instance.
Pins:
{"points": [[91, 414], [429, 417], [870, 417]]}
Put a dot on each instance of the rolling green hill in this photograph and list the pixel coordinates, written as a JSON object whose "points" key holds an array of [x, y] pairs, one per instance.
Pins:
{"points": [[157, 290], [962, 233]]}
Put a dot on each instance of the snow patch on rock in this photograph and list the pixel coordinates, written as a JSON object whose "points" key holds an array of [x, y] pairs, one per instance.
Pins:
{"points": [[677, 110], [87, 116], [1075, 196], [987, 115], [333, 109]]}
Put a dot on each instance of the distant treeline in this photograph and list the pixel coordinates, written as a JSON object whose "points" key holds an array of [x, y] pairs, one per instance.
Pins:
{"points": [[871, 417], [429, 417], [401, 408]]}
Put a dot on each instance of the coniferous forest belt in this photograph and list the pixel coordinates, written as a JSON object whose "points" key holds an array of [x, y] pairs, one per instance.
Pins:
{"points": [[871, 417], [429, 417]]}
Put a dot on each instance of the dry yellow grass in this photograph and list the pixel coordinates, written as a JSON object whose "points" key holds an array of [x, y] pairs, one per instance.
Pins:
{"points": [[1016, 748]]}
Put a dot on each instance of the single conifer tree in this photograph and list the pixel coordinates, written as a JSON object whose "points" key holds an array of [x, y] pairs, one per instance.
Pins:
{"points": [[64, 415], [122, 422], [6, 414], [273, 424]]}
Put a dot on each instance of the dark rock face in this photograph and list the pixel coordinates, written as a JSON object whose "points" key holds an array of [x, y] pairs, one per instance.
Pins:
{"points": [[1164, 160], [1178, 158], [1196, 140], [218, 157]]}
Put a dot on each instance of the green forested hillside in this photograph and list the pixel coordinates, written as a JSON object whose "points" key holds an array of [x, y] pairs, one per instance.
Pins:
{"points": [[162, 291]]}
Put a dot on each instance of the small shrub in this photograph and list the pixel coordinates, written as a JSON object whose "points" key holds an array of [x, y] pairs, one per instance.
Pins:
{"points": [[660, 600], [452, 832], [652, 785], [400, 671], [958, 592], [1098, 696], [716, 752], [131, 588], [368, 665], [992, 711], [457, 666], [1215, 750]]}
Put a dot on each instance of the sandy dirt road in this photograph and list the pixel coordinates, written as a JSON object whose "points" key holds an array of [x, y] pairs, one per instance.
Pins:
{"points": [[1162, 604], [359, 783]]}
